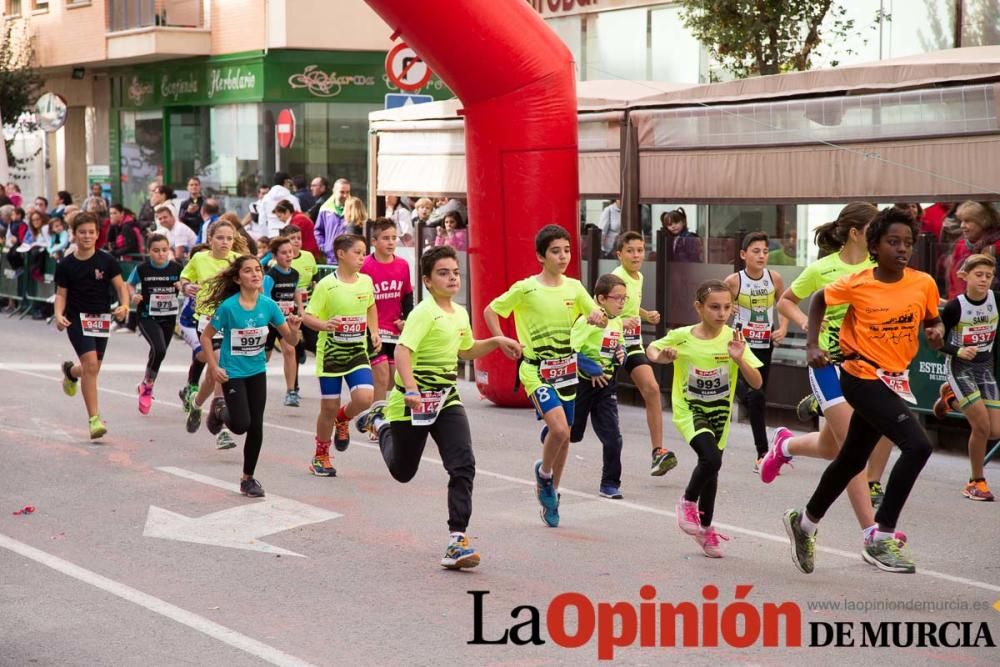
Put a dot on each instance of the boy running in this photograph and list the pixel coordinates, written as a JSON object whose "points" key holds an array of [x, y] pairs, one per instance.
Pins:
{"points": [[281, 285], [425, 401], [545, 306]]}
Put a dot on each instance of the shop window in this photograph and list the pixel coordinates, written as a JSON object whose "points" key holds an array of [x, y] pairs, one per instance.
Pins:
{"points": [[141, 154], [675, 54]]}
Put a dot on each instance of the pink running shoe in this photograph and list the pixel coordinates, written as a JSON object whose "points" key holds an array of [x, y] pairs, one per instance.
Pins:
{"points": [[774, 459], [708, 539], [145, 397], [688, 518]]}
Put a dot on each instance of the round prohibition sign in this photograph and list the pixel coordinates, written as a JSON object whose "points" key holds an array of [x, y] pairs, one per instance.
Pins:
{"points": [[406, 70]]}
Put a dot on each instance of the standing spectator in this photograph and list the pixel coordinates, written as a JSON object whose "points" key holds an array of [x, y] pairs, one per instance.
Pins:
{"points": [[981, 234], [124, 235], [421, 214], [190, 209], [685, 244], [36, 244], [289, 215], [163, 195], [63, 199], [935, 215], [304, 194], [444, 206], [320, 190], [330, 222], [253, 221], [58, 238], [179, 236], [17, 229], [14, 194], [278, 192], [452, 232], [210, 212], [147, 212], [96, 197], [41, 204], [355, 216], [611, 227], [396, 211]]}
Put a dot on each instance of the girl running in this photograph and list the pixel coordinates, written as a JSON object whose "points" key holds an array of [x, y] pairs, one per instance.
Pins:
{"points": [[970, 329], [755, 289], [154, 288], [342, 309], [599, 353], [242, 316], [425, 401], [281, 285], [707, 357], [631, 254], [195, 277], [83, 309], [878, 339], [845, 240]]}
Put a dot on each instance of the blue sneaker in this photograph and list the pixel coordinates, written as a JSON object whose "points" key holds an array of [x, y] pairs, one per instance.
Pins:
{"points": [[460, 554], [613, 492], [547, 497]]}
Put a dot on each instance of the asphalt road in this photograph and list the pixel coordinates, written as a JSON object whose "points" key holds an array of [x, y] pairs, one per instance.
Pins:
{"points": [[345, 570]]}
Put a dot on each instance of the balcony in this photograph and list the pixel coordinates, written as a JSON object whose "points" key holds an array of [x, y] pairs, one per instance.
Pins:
{"points": [[145, 30]]}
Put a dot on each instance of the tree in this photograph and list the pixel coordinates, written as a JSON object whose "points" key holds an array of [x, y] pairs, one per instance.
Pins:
{"points": [[19, 81], [754, 37]]}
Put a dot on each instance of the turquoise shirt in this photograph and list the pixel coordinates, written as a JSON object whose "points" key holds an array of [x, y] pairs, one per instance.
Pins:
{"points": [[243, 334]]}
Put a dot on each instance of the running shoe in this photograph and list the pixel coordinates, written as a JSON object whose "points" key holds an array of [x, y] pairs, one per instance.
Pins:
{"points": [[978, 490], [770, 466], [372, 421], [945, 402], [547, 497], [252, 488], [688, 516], [807, 409], [663, 462], [70, 383], [342, 435], [224, 440], [708, 538], [613, 492], [291, 399], [870, 535], [321, 466], [876, 493], [216, 418], [97, 427], [145, 391], [889, 555], [193, 422], [756, 465], [803, 544], [186, 394], [459, 554]]}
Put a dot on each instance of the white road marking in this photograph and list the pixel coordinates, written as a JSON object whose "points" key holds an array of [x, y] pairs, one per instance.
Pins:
{"points": [[156, 605], [237, 527], [779, 539]]}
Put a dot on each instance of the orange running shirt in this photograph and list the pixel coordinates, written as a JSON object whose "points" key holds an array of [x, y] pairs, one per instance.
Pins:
{"points": [[883, 320]]}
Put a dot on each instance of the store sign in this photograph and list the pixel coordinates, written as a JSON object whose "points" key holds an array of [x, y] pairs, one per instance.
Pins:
{"points": [[139, 91], [321, 84], [182, 86], [224, 81], [553, 8]]}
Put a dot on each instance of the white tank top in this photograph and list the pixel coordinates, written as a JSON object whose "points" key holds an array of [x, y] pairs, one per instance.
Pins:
{"points": [[755, 309]]}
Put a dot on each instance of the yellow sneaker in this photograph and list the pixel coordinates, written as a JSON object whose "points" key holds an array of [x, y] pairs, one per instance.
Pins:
{"points": [[97, 427], [69, 382]]}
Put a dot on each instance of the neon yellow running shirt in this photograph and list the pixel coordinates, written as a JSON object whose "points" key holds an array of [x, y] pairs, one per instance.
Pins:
{"points": [[346, 349]]}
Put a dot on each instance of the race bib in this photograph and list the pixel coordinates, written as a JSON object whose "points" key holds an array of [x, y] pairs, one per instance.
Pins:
{"points": [[757, 334], [203, 322], [979, 336], [431, 403], [247, 342], [558, 372], [350, 329], [286, 307], [388, 337], [710, 384], [162, 304], [609, 344], [898, 382], [633, 335], [96, 325]]}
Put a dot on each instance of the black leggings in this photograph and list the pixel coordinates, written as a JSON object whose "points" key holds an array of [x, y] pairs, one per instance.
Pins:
{"points": [[600, 404], [245, 400], [878, 411], [756, 402], [157, 332], [705, 476], [402, 445]]}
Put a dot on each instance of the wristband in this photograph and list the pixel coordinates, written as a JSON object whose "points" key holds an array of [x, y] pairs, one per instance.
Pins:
{"points": [[412, 393]]}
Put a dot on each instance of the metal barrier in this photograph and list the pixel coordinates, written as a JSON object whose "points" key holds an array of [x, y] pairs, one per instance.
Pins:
{"points": [[14, 287]]}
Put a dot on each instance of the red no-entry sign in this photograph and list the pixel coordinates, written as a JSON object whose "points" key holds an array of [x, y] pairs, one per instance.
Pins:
{"points": [[406, 70], [284, 127]]}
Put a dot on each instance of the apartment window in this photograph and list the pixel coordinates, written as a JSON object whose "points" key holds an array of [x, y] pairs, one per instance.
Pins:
{"points": [[13, 8], [40, 5]]}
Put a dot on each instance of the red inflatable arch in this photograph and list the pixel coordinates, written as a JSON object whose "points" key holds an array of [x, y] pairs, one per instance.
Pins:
{"points": [[517, 84]]}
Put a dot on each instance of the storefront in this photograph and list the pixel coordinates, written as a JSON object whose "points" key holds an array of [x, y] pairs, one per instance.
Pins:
{"points": [[218, 119]]}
